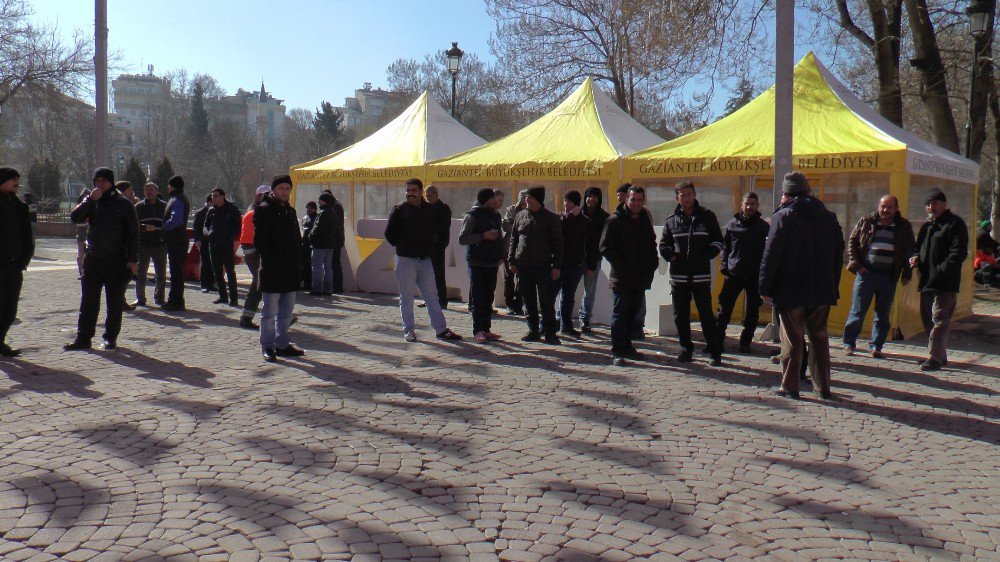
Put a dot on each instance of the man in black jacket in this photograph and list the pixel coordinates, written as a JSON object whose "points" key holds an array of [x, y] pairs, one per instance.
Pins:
{"points": [[511, 296], [277, 238], [592, 199], [536, 257], [691, 238], [222, 228], [580, 254], [942, 246], [481, 232], [742, 249], [308, 222], [327, 238], [175, 233], [206, 274], [17, 246], [112, 254], [150, 213], [411, 230], [442, 236], [629, 244]]}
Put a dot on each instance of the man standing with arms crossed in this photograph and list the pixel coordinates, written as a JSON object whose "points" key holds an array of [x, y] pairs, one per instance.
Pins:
{"points": [[175, 233], [222, 229], [17, 246]]}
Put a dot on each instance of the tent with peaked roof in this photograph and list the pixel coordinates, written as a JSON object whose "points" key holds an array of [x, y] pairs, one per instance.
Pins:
{"points": [[851, 154]]}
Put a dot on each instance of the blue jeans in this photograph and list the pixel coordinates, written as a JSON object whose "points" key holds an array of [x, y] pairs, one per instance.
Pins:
{"points": [[626, 305], [569, 280], [881, 287], [322, 268], [482, 286], [589, 296], [414, 274], [275, 318]]}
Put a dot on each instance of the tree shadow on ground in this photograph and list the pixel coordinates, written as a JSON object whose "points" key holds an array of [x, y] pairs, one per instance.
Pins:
{"points": [[938, 422], [46, 380], [955, 404], [616, 455], [362, 384], [917, 377], [624, 421], [68, 498], [128, 441], [825, 469], [167, 371], [195, 408], [794, 433]]}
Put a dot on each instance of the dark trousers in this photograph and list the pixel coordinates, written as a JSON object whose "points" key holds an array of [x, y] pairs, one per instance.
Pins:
{"points": [[482, 285], [177, 249], [511, 296], [111, 275], [223, 266], [437, 261], [206, 273], [682, 294], [796, 323], [305, 264], [252, 261], [11, 280], [569, 280], [338, 273], [626, 304], [538, 291], [158, 255], [731, 288]]}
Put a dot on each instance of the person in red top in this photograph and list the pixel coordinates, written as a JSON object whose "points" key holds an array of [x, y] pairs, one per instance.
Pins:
{"points": [[252, 261], [985, 264]]}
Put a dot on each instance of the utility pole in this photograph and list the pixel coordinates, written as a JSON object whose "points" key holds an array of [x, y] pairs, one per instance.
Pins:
{"points": [[101, 76]]}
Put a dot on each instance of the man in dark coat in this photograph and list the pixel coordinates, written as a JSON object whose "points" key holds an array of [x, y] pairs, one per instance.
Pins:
{"points": [[800, 275], [17, 246], [481, 232], [327, 238], [206, 275], [150, 213], [222, 229], [307, 221], [742, 249], [111, 260], [580, 254], [277, 239], [511, 296], [629, 244], [175, 233], [592, 199], [536, 257], [942, 246], [442, 236]]}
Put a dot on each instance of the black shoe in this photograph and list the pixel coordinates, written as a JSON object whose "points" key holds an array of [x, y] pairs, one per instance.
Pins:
{"points": [[8, 351], [220, 301], [930, 365], [826, 395], [159, 301], [716, 361], [234, 302], [248, 324], [269, 354], [172, 307], [532, 335], [570, 332], [77, 345], [619, 361], [785, 393], [289, 351], [136, 304], [585, 328], [128, 306], [746, 349], [108, 345], [685, 356], [634, 355], [552, 339]]}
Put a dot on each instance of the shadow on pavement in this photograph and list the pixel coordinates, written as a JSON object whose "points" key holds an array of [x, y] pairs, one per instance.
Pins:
{"points": [[35, 378], [939, 422], [167, 371]]}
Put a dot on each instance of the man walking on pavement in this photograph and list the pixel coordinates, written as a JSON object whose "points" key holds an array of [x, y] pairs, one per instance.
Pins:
{"points": [[222, 229], [481, 233], [252, 260], [592, 199], [277, 239], [580, 254], [511, 296], [150, 213], [442, 236], [629, 244], [327, 238], [112, 254], [877, 253], [536, 257], [742, 249], [691, 238], [800, 275], [175, 233], [17, 246], [942, 246], [410, 230]]}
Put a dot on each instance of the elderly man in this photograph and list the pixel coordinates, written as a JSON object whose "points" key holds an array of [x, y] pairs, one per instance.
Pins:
{"points": [[17, 246], [150, 213], [877, 253]]}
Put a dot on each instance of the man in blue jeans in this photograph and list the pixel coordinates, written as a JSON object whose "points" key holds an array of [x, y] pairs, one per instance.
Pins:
{"points": [[411, 230], [579, 254], [877, 254], [598, 216]]}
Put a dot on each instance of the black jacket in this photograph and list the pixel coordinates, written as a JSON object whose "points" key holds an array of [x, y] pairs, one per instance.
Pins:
{"points": [[16, 243], [198, 222], [691, 242], [442, 224], [580, 242], [942, 246], [743, 246], [536, 240], [222, 224], [630, 247], [151, 214], [277, 239], [804, 255], [328, 230], [411, 229], [308, 222], [599, 217], [114, 227], [481, 252]]}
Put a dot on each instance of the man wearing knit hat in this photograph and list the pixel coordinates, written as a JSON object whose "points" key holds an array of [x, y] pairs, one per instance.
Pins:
{"points": [[942, 246], [112, 258], [175, 234], [592, 199], [580, 254], [511, 296], [799, 275], [481, 234], [536, 257], [17, 246]]}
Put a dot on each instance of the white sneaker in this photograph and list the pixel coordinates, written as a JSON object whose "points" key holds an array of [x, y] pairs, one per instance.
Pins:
{"points": [[409, 336]]}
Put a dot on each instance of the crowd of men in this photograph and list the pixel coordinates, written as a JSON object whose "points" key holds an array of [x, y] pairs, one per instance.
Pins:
{"points": [[793, 263]]}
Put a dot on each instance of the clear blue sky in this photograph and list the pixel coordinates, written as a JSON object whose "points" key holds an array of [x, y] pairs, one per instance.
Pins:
{"points": [[306, 51]]}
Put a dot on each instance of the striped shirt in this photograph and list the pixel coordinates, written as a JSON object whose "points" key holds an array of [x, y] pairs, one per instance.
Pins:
{"points": [[881, 252]]}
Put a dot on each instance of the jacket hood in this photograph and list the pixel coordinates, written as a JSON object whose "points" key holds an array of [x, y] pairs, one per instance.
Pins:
{"points": [[596, 191], [806, 205]]}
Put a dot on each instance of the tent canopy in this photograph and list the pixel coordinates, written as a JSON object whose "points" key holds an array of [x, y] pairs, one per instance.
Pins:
{"points": [[397, 151], [582, 138], [834, 131]]}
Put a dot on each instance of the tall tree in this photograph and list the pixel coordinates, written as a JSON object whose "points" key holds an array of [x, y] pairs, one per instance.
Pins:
{"points": [[135, 175], [45, 183], [235, 155], [328, 128], [198, 123], [884, 43], [164, 170]]}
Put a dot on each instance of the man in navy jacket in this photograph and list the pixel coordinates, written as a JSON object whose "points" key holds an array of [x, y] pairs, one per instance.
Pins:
{"points": [[742, 250]]}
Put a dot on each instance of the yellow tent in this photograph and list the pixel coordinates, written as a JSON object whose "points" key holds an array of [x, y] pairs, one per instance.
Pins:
{"points": [[852, 155]]}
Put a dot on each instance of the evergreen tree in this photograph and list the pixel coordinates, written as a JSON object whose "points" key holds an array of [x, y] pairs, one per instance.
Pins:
{"points": [[44, 184], [327, 128], [743, 94], [163, 172], [198, 124], [135, 175]]}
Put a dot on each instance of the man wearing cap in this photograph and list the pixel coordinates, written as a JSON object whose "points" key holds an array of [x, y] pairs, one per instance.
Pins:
{"points": [[799, 275], [536, 257], [942, 246], [17, 246], [877, 254], [511, 296], [112, 255], [175, 233], [481, 233], [327, 238], [252, 260], [222, 229], [442, 236], [592, 200], [277, 239], [691, 238], [742, 248], [580, 254], [150, 213]]}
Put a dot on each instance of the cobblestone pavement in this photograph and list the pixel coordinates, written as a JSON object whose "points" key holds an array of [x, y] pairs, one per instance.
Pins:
{"points": [[184, 445]]}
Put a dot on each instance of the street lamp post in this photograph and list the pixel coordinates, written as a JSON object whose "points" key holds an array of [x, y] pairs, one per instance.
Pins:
{"points": [[262, 174], [979, 19], [121, 164], [454, 55]]}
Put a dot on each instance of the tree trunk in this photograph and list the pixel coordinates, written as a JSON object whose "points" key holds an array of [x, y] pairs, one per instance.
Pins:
{"points": [[934, 85], [995, 207], [886, 23], [979, 98]]}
